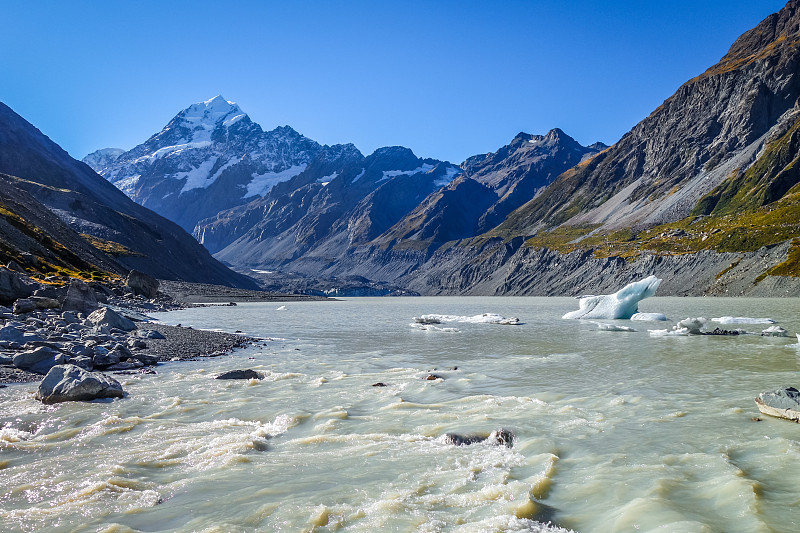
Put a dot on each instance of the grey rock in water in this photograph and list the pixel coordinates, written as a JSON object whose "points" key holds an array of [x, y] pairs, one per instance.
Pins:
{"points": [[142, 284], [80, 298], [39, 360], [499, 437], [64, 383], [111, 319], [240, 374]]}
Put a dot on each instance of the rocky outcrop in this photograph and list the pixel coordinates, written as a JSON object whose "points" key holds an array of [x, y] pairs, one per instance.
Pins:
{"points": [[80, 298], [70, 383], [108, 318], [142, 284], [14, 285], [39, 360]]}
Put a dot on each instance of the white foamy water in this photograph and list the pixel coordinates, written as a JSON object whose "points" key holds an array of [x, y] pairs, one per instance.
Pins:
{"points": [[613, 432]]}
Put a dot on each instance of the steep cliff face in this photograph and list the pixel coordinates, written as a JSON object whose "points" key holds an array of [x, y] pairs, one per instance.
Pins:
{"points": [[715, 125], [88, 204], [318, 216], [492, 186]]}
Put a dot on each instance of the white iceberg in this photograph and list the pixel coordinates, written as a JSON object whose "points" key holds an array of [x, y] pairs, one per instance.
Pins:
{"points": [[742, 320], [674, 332], [774, 331], [485, 318], [782, 403], [622, 304], [281, 308], [649, 317]]}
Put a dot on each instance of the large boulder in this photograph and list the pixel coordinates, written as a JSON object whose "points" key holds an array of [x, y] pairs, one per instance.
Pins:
{"points": [[142, 284], [39, 360], [24, 305], [108, 317], [65, 383], [80, 298], [45, 302], [14, 285]]}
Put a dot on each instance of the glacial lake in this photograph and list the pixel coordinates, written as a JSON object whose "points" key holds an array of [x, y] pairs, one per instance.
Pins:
{"points": [[614, 431]]}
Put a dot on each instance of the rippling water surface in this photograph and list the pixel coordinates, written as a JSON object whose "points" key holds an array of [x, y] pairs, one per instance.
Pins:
{"points": [[615, 431]]}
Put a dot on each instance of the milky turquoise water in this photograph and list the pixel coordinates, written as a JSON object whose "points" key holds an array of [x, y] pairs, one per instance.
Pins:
{"points": [[615, 431]]}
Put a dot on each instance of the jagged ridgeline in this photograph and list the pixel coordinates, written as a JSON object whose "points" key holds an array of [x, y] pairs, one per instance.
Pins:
{"points": [[702, 193], [57, 216]]}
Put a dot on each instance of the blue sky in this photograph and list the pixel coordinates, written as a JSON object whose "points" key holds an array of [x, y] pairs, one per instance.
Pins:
{"points": [[447, 79]]}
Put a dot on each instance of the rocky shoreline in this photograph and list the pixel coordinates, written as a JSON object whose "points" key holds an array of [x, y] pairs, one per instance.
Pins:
{"points": [[103, 327]]}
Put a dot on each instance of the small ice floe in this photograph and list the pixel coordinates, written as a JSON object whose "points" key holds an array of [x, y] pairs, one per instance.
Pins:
{"points": [[622, 304], [485, 318], [782, 403], [649, 317], [685, 327], [742, 320], [281, 308], [603, 326], [774, 331]]}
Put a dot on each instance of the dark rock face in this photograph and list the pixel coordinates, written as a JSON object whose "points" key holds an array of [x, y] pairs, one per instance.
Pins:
{"points": [[65, 383], [142, 284], [80, 298], [240, 374], [14, 285], [24, 305]]}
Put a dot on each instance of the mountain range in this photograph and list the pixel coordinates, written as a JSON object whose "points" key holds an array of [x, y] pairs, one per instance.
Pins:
{"points": [[703, 191], [57, 216]]}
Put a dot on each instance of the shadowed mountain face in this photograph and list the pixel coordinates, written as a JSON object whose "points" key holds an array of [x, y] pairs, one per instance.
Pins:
{"points": [[700, 141], [76, 196], [492, 186]]}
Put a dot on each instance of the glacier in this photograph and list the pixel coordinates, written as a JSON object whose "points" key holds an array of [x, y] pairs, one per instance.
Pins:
{"points": [[622, 304]]}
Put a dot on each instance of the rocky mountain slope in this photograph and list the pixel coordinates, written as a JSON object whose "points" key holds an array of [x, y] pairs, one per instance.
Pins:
{"points": [[703, 191], [208, 158], [63, 215], [317, 219]]}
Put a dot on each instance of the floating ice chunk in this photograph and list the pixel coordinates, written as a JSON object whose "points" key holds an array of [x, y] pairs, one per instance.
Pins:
{"points": [[281, 308], [649, 317], [622, 304], [685, 327], [774, 331], [612, 327], [742, 320], [485, 318], [694, 325]]}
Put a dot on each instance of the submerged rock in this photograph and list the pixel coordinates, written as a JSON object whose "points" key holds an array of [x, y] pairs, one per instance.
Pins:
{"points": [[65, 383], [498, 437], [240, 374]]}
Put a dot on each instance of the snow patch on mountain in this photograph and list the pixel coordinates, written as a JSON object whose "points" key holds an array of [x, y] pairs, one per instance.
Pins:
{"points": [[262, 183], [389, 174]]}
